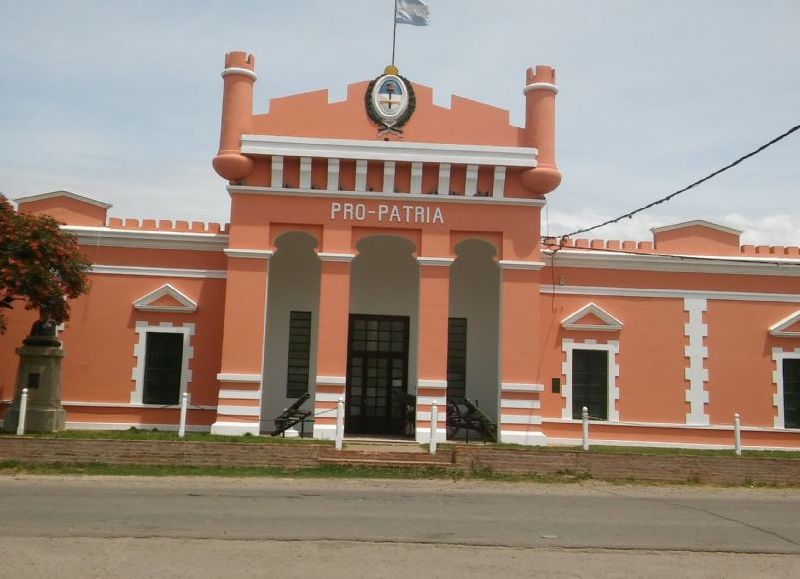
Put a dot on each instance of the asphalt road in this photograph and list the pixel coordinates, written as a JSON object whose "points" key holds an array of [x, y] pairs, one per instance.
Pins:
{"points": [[213, 527]]}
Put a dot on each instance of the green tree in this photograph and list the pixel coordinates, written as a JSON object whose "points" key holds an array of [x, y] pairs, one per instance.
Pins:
{"points": [[39, 264]]}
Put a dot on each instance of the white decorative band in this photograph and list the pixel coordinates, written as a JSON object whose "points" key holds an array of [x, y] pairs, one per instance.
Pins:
{"points": [[521, 387], [225, 377], [440, 261], [428, 400], [231, 410], [541, 86], [158, 271], [426, 416], [524, 404], [240, 394], [326, 397], [242, 71], [324, 256], [518, 419], [332, 380], [250, 253], [513, 264], [432, 383]]}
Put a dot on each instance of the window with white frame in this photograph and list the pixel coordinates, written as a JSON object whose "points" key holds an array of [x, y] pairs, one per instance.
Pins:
{"points": [[162, 372], [590, 379], [787, 383]]}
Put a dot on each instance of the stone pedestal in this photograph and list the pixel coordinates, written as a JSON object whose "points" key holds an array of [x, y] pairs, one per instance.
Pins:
{"points": [[40, 372]]}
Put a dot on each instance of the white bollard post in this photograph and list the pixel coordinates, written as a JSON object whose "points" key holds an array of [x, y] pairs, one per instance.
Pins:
{"points": [[184, 407], [339, 423], [737, 435], [434, 425], [585, 419], [23, 411]]}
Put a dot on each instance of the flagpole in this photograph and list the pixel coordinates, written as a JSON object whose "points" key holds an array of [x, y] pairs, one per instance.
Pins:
{"points": [[394, 33]]}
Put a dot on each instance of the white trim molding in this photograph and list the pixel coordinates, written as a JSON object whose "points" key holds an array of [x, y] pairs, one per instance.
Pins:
{"points": [[328, 256], [230, 428], [240, 71], [778, 356], [601, 259], [158, 271], [250, 253], [140, 353], [540, 86], [108, 237], [184, 303], [700, 222], [516, 264], [436, 261], [382, 196], [244, 378], [610, 323], [696, 374], [568, 345], [389, 151], [426, 383], [779, 328], [668, 293], [227, 394], [67, 194], [332, 380]]}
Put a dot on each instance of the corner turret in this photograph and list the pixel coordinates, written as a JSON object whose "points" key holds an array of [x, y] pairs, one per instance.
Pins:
{"points": [[237, 113], [540, 129]]}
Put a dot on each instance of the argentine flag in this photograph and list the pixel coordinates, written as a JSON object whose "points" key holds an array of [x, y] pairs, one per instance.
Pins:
{"points": [[414, 12]]}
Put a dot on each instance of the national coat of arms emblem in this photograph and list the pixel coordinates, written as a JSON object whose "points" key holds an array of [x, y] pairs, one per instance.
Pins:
{"points": [[390, 102]]}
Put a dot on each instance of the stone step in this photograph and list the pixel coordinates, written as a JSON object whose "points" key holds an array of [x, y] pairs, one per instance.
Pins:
{"points": [[349, 461]]}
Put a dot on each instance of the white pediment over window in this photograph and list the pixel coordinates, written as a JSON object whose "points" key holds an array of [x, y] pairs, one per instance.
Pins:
{"points": [[591, 317], [165, 299], [788, 327]]}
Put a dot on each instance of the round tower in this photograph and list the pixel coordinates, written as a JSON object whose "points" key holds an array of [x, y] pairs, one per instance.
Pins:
{"points": [[237, 112], [540, 129]]}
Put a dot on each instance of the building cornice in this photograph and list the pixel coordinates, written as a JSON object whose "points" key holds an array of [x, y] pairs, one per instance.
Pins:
{"points": [[378, 196], [598, 259], [668, 293], [388, 151], [106, 237], [66, 194]]}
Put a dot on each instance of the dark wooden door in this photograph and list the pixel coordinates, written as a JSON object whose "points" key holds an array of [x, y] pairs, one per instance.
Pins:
{"points": [[377, 374], [590, 383], [791, 393]]}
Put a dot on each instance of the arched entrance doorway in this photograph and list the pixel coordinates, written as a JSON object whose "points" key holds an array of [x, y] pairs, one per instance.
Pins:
{"points": [[381, 364]]}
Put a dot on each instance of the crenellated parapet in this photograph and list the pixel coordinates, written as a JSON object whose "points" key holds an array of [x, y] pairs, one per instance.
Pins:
{"points": [[173, 226]]}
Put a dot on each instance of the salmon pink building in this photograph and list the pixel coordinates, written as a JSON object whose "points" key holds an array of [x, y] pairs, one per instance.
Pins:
{"points": [[386, 251]]}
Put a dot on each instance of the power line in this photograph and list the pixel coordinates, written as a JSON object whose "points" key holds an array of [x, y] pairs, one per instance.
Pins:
{"points": [[693, 185]]}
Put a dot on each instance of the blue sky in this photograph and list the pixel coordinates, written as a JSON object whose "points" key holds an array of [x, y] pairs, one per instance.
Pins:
{"points": [[121, 101]]}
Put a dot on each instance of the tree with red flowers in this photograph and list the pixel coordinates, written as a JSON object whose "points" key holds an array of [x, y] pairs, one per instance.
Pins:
{"points": [[39, 264]]}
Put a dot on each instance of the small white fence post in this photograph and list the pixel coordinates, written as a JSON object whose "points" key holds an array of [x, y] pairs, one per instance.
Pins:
{"points": [[23, 411], [737, 435], [184, 407], [339, 423], [585, 419], [434, 425]]}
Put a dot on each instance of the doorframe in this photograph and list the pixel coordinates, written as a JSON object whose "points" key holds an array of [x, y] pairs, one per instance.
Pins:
{"points": [[350, 353]]}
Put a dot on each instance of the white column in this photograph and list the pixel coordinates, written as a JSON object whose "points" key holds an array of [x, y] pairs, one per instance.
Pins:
{"points": [[499, 185], [471, 186], [305, 172], [444, 178], [277, 171], [361, 175], [333, 174], [416, 178], [388, 176]]}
